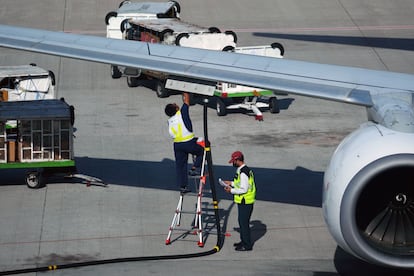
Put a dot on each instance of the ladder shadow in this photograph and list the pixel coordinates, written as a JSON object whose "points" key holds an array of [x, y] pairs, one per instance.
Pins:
{"points": [[257, 227], [209, 222]]}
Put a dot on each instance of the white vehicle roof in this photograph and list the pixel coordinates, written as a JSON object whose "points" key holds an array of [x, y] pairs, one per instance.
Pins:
{"points": [[21, 71], [145, 8], [174, 24]]}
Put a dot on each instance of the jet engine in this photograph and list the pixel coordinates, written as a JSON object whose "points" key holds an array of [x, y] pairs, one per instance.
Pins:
{"points": [[368, 197]]}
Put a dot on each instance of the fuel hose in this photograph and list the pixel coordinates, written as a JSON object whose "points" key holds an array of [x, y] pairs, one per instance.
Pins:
{"points": [[215, 249]]}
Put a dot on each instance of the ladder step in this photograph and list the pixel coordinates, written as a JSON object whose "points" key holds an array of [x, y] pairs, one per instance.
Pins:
{"points": [[199, 191], [196, 193], [194, 230], [187, 212], [194, 176]]}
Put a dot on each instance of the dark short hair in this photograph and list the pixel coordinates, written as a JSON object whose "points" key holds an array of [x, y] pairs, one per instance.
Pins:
{"points": [[170, 109]]}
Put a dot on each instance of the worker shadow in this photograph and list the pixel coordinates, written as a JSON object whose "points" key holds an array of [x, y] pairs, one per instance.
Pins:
{"points": [[257, 230]]}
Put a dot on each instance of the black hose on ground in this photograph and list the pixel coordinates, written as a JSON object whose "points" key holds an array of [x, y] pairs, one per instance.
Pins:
{"points": [[108, 261]]}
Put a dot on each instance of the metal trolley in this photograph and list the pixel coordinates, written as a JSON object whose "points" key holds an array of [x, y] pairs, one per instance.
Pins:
{"points": [[38, 136]]}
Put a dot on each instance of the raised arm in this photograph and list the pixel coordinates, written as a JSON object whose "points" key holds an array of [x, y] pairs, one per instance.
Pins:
{"points": [[186, 98]]}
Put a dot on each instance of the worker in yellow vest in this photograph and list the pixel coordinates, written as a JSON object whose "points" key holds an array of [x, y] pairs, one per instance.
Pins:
{"points": [[244, 190], [180, 129]]}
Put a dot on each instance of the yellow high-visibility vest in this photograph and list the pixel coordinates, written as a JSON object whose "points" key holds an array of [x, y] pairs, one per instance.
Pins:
{"points": [[250, 196], [177, 129]]}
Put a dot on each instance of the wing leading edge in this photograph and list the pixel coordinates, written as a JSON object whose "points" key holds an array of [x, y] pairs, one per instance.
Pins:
{"points": [[337, 83]]}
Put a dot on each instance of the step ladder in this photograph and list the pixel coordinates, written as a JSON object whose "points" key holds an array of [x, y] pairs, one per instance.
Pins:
{"points": [[197, 228]]}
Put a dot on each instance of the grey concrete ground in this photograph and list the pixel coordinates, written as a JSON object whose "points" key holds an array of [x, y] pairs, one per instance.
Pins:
{"points": [[121, 137]]}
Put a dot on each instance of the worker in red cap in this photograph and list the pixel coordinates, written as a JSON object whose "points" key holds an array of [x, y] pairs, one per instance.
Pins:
{"points": [[244, 190]]}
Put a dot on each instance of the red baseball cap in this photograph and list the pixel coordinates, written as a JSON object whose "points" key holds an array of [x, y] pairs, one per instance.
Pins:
{"points": [[236, 156]]}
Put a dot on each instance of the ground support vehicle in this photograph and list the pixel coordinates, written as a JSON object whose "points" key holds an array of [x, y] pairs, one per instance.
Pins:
{"points": [[173, 31], [159, 23], [233, 96], [228, 96], [41, 142], [117, 23], [116, 20], [26, 82]]}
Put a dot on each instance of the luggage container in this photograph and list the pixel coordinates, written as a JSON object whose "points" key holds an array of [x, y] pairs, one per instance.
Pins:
{"points": [[25, 83], [41, 142]]}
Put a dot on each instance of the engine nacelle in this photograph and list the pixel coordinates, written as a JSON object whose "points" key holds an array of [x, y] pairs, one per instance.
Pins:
{"points": [[368, 197]]}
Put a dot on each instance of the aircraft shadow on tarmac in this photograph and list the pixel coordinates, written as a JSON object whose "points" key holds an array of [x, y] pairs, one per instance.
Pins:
{"points": [[300, 186], [376, 42]]}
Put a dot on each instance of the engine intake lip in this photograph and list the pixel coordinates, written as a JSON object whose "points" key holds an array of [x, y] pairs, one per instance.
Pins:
{"points": [[355, 236]]}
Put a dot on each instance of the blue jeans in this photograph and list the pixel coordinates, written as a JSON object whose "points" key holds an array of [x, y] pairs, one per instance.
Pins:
{"points": [[181, 152]]}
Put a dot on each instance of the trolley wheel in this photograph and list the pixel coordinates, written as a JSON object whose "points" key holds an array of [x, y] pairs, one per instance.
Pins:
{"points": [[124, 25], [125, 2], [160, 89], [274, 105], [233, 34], [220, 107], [228, 48], [275, 45], [200, 244], [33, 180], [115, 72], [179, 37], [165, 33], [52, 77], [133, 81], [214, 30], [177, 6], [109, 15], [167, 242]]}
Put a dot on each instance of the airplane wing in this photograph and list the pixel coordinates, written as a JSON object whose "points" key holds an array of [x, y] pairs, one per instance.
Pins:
{"points": [[337, 83]]}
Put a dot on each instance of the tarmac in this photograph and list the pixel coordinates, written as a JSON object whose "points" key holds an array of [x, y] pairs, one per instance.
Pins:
{"points": [[122, 138]]}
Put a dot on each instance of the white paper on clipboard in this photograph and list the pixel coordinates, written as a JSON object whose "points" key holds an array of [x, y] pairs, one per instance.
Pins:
{"points": [[222, 183]]}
